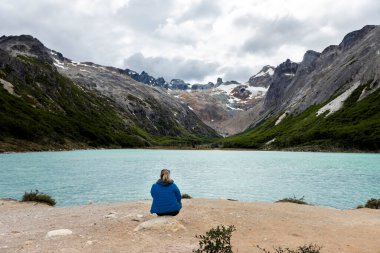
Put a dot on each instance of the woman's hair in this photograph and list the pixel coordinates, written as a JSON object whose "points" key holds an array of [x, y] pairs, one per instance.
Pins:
{"points": [[165, 175]]}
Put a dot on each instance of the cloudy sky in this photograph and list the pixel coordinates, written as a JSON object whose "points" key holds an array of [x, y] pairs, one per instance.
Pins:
{"points": [[195, 40]]}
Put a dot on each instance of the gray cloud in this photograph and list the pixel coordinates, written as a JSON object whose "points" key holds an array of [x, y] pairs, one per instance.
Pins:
{"points": [[144, 15], [270, 35], [186, 69], [233, 37]]}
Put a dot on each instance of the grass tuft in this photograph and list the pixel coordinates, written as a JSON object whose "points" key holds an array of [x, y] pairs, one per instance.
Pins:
{"points": [[36, 196], [294, 200]]}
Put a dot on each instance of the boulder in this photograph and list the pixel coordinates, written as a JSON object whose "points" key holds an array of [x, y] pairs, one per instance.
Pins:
{"points": [[161, 223]]}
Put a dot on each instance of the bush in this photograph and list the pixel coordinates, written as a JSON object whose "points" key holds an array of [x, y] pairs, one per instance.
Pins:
{"points": [[311, 248], [38, 197], [371, 203], [295, 200], [186, 196], [216, 240]]}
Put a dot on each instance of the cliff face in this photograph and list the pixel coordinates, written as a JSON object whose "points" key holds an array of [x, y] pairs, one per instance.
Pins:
{"points": [[321, 75], [329, 100]]}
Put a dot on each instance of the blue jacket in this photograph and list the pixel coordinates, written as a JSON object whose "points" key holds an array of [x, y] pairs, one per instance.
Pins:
{"points": [[166, 197]]}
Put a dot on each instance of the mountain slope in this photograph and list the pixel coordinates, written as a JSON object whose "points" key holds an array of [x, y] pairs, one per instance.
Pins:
{"points": [[42, 108], [329, 100]]}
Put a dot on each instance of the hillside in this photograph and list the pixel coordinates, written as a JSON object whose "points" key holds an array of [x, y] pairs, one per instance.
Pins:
{"points": [[42, 108], [328, 101]]}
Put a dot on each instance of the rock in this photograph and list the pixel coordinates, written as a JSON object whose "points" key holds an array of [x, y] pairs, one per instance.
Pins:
{"points": [[161, 223], [58, 232]]}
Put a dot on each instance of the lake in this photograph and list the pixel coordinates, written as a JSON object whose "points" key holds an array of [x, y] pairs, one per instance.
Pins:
{"points": [[340, 180]]}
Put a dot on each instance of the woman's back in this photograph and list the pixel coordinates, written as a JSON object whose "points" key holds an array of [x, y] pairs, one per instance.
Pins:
{"points": [[166, 196]]}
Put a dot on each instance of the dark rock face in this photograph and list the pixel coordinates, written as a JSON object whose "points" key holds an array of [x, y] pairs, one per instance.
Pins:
{"points": [[144, 77], [282, 77], [219, 81], [241, 92], [178, 84], [263, 78], [210, 85]]}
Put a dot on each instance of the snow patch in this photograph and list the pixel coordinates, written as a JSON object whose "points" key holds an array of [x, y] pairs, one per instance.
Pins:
{"points": [[281, 118], [227, 87], [8, 87], [59, 64], [271, 141], [337, 103], [289, 74], [233, 108], [190, 108], [269, 72], [83, 70]]}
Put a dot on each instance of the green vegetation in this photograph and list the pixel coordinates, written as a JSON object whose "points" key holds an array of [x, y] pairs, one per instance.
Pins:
{"points": [[311, 248], [355, 126], [216, 240], [186, 196], [38, 197], [371, 203], [53, 112], [294, 200]]}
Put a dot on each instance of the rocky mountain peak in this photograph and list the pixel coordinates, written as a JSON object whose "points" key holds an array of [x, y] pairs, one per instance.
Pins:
{"points": [[355, 36], [308, 61], [287, 68], [219, 81], [25, 45]]}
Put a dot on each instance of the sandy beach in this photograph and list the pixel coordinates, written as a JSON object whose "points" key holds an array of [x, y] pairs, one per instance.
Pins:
{"points": [[129, 227]]}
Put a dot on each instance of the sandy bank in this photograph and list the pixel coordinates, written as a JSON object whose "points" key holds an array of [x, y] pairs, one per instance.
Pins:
{"points": [[112, 227]]}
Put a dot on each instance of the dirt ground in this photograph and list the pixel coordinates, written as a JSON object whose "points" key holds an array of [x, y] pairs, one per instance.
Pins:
{"points": [[120, 227]]}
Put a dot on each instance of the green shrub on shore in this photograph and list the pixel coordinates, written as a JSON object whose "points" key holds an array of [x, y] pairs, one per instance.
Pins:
{"points": [[372, 204], [186, 196], [36, 196], [216, 240], [311, 248], [294, 200]]}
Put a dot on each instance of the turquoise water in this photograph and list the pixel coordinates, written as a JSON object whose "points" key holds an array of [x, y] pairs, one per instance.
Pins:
{"points": [[337, 180]]}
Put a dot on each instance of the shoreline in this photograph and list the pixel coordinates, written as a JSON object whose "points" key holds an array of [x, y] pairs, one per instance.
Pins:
{"points": [[129, 225], [295, 150]]}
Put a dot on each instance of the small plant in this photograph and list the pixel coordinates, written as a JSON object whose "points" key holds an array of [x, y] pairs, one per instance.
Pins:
{"points": [[186, 196], [36, 196], [311, 248], [295, 200], [371, 203], [216, 240]]}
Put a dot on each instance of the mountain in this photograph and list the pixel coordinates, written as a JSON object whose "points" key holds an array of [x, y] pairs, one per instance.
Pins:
{"points": [[49, 101], [219, 104], [262, 79], [329, 100]]}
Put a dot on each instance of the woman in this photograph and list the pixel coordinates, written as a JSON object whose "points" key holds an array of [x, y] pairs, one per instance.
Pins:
{"points": [[166, 196]]}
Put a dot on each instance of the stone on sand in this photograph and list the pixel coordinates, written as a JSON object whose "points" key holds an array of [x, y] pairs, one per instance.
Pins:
{"points": [[161, 223], [58, 232]]}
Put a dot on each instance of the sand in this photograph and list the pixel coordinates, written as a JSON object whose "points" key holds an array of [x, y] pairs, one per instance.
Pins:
{"points": [[31, 227]]}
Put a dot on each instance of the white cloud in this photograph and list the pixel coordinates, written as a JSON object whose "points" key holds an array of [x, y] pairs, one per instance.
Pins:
{"points": [[231, 39]]}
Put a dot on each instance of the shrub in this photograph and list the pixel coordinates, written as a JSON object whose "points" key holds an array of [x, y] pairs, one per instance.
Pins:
{"points": [[371, 203], [38, 197], [216, 240], [311, 248], [186, 196], [295, 200]]}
